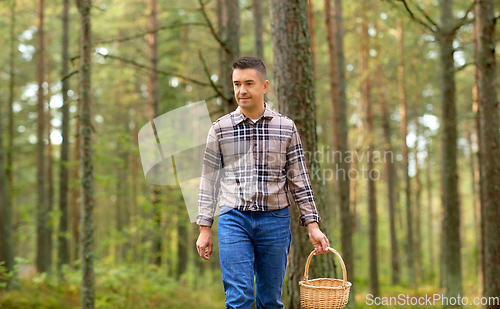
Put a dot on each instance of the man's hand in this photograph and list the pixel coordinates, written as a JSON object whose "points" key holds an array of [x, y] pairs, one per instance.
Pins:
{"points": [[204, 244], [317, 238]]}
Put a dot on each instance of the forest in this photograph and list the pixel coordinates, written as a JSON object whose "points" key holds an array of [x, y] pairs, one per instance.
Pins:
{"points": [[396, 105]]}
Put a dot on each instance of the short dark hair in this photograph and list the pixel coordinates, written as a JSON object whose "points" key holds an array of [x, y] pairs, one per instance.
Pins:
{"points": [[251, 63]]}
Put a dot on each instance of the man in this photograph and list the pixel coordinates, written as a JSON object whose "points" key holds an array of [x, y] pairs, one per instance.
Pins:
{"points": [[254, 155]]}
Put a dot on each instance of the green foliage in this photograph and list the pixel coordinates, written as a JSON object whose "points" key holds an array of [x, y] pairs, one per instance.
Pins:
{"points": [[120, 287]]}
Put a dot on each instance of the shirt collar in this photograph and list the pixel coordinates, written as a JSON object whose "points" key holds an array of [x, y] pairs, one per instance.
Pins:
{"points": [[239, 117]]}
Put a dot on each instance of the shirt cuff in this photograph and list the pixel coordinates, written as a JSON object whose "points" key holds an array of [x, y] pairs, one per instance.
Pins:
{"points": [[204, 220], [304, 220]]}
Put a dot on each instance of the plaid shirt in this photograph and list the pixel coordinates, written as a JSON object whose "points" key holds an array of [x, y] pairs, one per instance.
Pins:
{"points": [[252, 165]]}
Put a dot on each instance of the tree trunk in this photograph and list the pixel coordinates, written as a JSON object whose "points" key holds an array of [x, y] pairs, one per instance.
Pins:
{"points": [[12, 60], [153, 102], [418, 195], [488, 103], [403, 108], [63, 250], [49, 175], [75, 192], [450, 248], [257, 29], [87, 180], [365, 72], [43, 236], [231, 50], [294, 86], [310, 18], [6, 233], [430, 211], [478, 180], [389, 170], [340, 128]]}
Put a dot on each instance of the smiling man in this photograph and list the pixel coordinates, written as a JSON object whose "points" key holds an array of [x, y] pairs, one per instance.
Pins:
{"points": [[261, 155]]}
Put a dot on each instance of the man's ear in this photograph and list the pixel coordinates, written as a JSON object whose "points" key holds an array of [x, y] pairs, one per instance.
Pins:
{"points": [[266, 86]]}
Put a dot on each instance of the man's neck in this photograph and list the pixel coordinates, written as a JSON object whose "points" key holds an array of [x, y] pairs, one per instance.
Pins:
{"points": [[254, 114]]}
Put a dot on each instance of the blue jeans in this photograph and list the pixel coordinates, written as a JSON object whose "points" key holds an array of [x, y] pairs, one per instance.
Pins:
{"points": [[253, 243]]}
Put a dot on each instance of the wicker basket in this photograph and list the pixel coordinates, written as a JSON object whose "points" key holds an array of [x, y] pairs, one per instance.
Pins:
{"points": [[324, 293]]}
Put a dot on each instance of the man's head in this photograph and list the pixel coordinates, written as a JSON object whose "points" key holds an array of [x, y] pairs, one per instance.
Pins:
{"points": [[250, 82]]}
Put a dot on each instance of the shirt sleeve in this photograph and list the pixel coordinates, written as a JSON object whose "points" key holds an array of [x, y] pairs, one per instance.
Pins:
{"points": [[297, 176], [210, 180]]}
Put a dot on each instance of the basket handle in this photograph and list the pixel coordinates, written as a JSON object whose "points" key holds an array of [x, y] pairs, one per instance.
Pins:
{"points": [[344, 271]]}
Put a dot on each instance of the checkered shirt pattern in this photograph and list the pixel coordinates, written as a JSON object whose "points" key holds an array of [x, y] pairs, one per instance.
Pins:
{"points": [[251, 166]]}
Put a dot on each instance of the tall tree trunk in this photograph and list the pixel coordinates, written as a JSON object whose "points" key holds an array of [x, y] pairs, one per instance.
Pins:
{"points": [[341, 146], [6, 233], [478, 180], [450, 248], [490, 126], [294, 86], [43, 252], [153, 105], [310, 18], [231, 50], [136, 212], [12, 60], [87, 180], [368, 119], [403, 112], [257, 29], [75, 191], [63, 249], [389, 170], [430, 211], [418, 196], [49, 175]]}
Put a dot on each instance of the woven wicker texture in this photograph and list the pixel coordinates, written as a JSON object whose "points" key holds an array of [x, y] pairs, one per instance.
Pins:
{"points": [[324, 293]]}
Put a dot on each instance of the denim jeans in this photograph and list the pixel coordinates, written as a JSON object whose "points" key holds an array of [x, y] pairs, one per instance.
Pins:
{"points": [[253, 243]]}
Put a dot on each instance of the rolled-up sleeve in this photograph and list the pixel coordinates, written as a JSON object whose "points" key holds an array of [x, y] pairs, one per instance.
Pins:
{"points": [[210, 180], [298, 180]]}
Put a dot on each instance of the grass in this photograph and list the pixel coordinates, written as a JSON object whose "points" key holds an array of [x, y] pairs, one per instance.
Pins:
{"points": [[124, 287]]}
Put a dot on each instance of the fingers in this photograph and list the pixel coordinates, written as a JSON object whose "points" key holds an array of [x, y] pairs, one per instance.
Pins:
{"points": [[210, 250], [325, 244]]}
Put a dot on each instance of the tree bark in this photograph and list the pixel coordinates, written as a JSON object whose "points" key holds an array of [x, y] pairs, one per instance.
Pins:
{"points": [[75, 192], [63, 249], [294, 88], [43, 235], [6, 233], [490, 126], [403, 112], [153, 106], [49, 173], [418, 196], [341, 146], [257, 29], [430, 211], [87, 177], [389, 170], [450, 248], [366, 96], [231, 50], [12, 60], [478, 180], [310, 18]]}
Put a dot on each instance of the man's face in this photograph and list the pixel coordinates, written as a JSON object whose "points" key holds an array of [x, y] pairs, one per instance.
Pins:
{"points": [[249, 88]]}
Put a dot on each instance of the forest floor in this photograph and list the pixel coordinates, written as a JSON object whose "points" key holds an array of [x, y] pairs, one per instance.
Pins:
{"points": [[134, 287]]}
